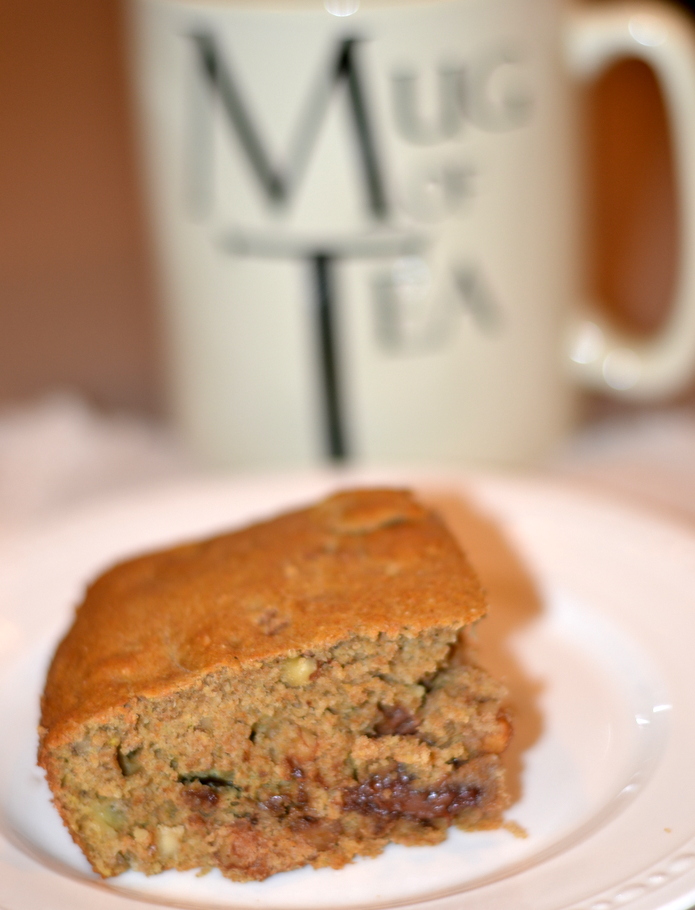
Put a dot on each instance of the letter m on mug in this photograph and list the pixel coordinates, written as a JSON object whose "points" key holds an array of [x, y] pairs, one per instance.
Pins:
{"points": [[317, 129]]}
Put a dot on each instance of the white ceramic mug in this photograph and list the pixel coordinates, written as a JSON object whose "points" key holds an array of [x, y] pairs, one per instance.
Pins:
{"points": [[368, 216]]}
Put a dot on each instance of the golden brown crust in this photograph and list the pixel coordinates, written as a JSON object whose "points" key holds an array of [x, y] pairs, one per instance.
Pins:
{"points": [[369, 561]]}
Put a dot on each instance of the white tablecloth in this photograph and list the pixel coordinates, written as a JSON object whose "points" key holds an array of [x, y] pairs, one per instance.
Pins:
{"points": [[58, 452]]}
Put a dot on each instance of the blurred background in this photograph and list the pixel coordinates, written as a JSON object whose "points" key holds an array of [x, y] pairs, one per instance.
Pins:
{"points": [[77, 290], [78, 296], [77, 303]]}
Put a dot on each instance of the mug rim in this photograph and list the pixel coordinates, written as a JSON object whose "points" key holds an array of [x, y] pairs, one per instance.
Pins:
{"points": [[301, 5]]}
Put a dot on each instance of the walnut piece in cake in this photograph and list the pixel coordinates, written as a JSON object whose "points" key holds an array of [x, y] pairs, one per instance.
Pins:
{"points": [[295, 692]]}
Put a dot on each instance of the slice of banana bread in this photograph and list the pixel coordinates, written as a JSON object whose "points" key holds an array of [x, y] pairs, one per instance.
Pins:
{"points": [[294, 692]]}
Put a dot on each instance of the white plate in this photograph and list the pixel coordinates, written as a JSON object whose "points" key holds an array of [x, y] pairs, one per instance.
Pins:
{"points": [[592, 624]]}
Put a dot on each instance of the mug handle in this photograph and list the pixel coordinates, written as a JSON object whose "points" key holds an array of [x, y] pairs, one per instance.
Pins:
{"points": [[604, 358]]}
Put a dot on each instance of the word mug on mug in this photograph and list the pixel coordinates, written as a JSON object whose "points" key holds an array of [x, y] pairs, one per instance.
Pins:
{"points": [[368, 216]]}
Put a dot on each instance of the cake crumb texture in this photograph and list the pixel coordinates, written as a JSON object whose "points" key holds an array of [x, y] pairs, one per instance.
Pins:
{"points": [[295, 692]]}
